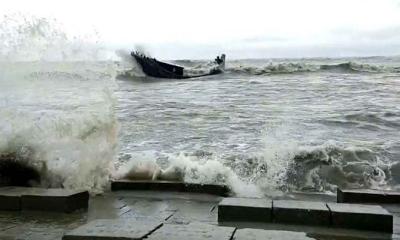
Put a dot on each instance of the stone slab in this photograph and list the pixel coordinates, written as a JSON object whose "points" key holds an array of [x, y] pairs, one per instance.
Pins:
{"points": [[192, 231], [55, 200], [10, 198], [300, 212], [256, 234], [176, 186], [193, 211], [27, 232], [59, 200], [363, 217], [245, 209], [391, 197], [367, 196], [110, 229]]}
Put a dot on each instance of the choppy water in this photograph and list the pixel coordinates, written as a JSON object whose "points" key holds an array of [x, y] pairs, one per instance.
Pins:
{"points": [[304, 125], [263, 125], [307, 125]]}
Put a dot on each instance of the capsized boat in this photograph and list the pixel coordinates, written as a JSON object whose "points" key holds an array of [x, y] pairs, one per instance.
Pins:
{"points": [[154, 68]]}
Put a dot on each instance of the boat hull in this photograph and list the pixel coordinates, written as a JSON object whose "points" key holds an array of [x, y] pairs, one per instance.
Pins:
{"points": [[154, 68]]}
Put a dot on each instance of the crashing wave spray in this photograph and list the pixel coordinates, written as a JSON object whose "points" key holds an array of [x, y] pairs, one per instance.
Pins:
{"points": [[32, 38], [189, 168], [77, 148], [60, 113]]}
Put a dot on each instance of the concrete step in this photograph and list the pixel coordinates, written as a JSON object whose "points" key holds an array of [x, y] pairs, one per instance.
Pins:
{"points": [[367, 196], [301, 212], [41, 199], [10, 198], [363, 217], [352, 216], [245, 209], [220, 190]]}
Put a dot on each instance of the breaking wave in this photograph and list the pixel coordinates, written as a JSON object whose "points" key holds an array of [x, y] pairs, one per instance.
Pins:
{"points": [[323, 168], [316, 169], [65, 147], [57, 122], [202, 168], [284, 168]]}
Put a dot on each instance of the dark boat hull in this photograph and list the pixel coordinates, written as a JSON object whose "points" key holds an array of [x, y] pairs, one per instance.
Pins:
{"points": [[154, 68]]}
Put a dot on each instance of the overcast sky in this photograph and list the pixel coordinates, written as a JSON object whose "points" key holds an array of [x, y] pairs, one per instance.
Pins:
{"points": [[242, 28]]}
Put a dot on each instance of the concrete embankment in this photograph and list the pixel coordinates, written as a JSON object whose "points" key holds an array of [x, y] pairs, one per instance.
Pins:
{"points": [[169, 212]]}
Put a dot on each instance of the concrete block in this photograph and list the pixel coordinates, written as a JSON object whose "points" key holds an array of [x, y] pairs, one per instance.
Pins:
{"points": [[364, 217], [300, 212], [110, 229], [391, 197], [10, 198], [59, 200], [192, 231], [367, 196], [256, 234], [56, 200], [175, 186], [245, 209]]}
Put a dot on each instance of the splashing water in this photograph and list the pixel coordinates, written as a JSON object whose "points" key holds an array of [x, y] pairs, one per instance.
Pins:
{"points": [[51, 112], [63, 112], [31, 38]]}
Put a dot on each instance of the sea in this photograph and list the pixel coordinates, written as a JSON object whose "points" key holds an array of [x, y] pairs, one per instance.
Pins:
{"points": [[264, 125]]}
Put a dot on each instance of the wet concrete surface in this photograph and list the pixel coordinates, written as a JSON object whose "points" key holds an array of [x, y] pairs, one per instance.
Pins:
{"points": [[249, 209], [367, 196], [301, 212], [177, 208], [42, 199]]}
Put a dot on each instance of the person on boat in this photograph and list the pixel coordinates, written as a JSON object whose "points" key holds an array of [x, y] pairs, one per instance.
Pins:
{"points": [[218, 60]]}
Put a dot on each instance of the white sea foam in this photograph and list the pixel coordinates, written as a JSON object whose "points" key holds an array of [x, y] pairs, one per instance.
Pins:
{"points": [[191, 169]]}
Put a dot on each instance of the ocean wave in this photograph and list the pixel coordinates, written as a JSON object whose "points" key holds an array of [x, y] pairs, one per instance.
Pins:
{"points": [[374, 121], [284, 169], [272, 68], [383, 120], [323, 168], [75, 152], [357, 67], [290, 68], [197, 167]]}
